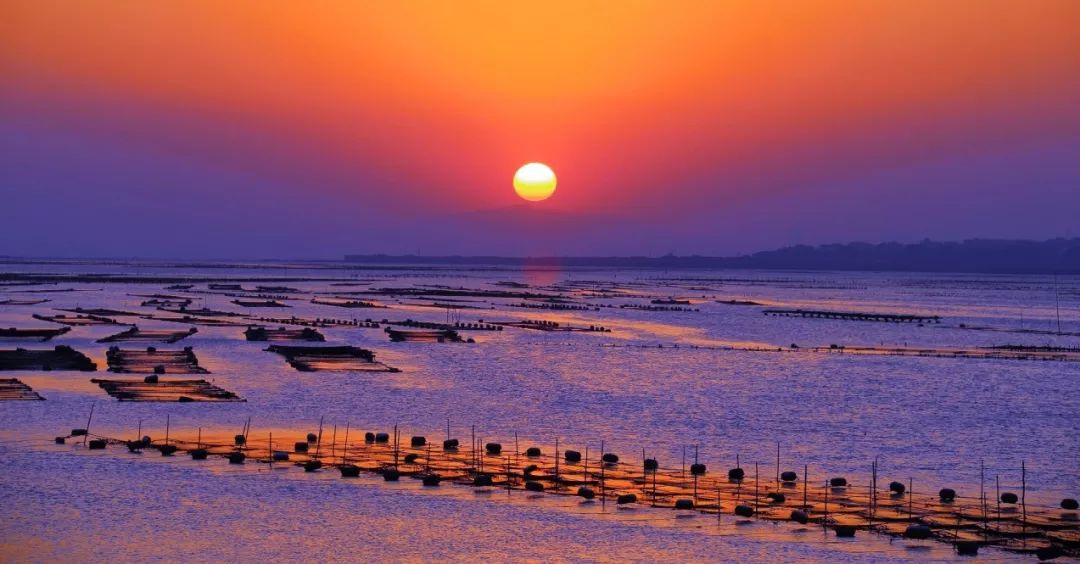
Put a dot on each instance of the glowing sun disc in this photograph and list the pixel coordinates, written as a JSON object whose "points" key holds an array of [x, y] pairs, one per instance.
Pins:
{"points": [[534, 182]]}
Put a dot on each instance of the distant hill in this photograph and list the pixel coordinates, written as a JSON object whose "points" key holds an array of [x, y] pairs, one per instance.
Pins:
{"points": [[1060, 256]]}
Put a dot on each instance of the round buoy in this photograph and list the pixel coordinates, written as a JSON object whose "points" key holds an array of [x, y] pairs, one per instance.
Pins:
{"points": [[530, 469], [349, 471], [312, 465], [917, 532], [697, 469], [450, 444], [946, 494], [300, 447], [199, 454], [97, 444], [967, 548], [168, 450], [60, 440], [684, 504], [789, 476], [280, 456], [845, 531], [799, 516], [838, 482], [651, 464], [897, 488], [610, 458], [743, 510], [431, 480], [482, 480], [418, 441], [382, 437], [493, 448], [369, 437], [1009, 497], [626, 498], [134, 446], [1069, 504], [312, 437], [411, 458], [736, 474], [78, 432], [1049, 552], [534, 486], [236, 457], [776, 497], [390, 475], [572, 456], [533, 451], [586, 493]]}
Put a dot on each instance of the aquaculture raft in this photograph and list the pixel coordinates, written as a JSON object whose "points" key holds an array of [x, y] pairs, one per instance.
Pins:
{"points": [[160, 335], [283, 334], [78, 320], [423, 335], [314, 359], [11, 389], [153, 389], [38, 334], [154, 361], [1003, 520], [61, 357], [853, 316], [345, 302]]}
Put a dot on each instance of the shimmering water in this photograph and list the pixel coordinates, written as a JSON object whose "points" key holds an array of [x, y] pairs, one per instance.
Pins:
{"points": [[929, 419]]}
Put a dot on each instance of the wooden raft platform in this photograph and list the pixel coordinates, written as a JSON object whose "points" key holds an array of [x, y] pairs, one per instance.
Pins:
{"points": [[160, 335], [34, 334], [740, 493], [11, 389], [315, 359], [78, 320], [154, 361], [153, 389], [853, 316], [424, 336], [283, 334], [61, 357]]}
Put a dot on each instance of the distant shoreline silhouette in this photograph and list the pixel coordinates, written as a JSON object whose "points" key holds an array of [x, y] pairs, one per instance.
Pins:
{"points": [[982, 256]]}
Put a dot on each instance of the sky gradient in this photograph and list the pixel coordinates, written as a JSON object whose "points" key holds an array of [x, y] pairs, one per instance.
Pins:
{"points": [[286, 129]]}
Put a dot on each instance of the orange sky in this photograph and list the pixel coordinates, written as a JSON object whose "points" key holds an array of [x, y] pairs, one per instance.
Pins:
{"points": [[714, 101]]}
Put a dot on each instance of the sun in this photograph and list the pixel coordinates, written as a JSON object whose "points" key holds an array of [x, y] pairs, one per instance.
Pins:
{"points": [[534, 182]]}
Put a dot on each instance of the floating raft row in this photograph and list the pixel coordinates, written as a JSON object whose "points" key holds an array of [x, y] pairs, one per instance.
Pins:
{"points": [[344, 302], [644, 307], [456, 326], [967, 523], [260, 303], [61, 357], [36, 334], [853, 316], [22, 302], [315, 359], [200, 312], [78, 320], [543, 325], [160, 335], [555, 306], [192, 320], [154, 361], [11, 389], [105, 312], [153, 389], [318, 322], [283, 334], [424, 336]]}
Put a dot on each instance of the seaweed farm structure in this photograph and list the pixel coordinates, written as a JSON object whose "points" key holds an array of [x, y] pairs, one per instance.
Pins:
{"points": [[424, 335], [160, 335], [78, 320], [151, 388], [853, 316], [153, 361], [345, 302], [62, 357], [782, 493], [283, 334], [12, 389], [34, 334], [315, 358]]}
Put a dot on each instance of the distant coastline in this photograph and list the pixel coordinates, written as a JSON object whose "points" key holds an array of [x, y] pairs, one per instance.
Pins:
{"points": [[981, 256]]}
